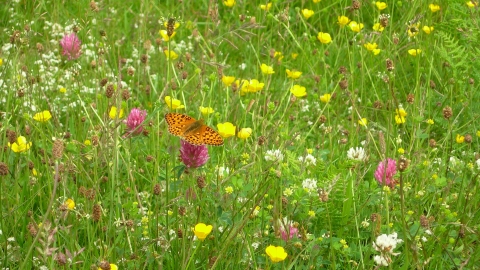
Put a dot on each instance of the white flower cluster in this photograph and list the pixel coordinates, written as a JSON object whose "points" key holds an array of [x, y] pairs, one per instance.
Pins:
{"points": [[385, 244], [274, 155], [356, 153], [308, 160], [309, 185]]}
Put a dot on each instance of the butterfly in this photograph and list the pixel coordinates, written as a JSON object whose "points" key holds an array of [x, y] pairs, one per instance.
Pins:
{"points": [[191, 130]]}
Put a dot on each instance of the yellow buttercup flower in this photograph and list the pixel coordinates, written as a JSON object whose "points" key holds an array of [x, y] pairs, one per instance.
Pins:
{"points": [[173, 103], [226, 129], [276, 254], [227, 80], [42, 116], [363, 122], [381, 5], [62, 90], [293, 74], [370, 46], [472, 4], [378, 27], [427, 29], [430, 121], [244, 133], [267, 69], [413, 29], [254, 86], [278, 55], [113, 113], [325, 98], [266, 7], [112, 267], [355, 27], [164, 35], [294, 56], [298, 90], [229, 3], [434, 8], [202, 231], [70, 204], [399, 119], [206, 110], [376, 51], [316, 1], [21, 145], [171, 55], [460, 138], [414, 52], [324, 38], [343, 20], [307, 13]]}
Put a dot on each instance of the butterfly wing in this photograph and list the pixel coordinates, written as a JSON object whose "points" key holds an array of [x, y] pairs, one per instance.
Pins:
{"points": [[210, 136], [177, 123]]}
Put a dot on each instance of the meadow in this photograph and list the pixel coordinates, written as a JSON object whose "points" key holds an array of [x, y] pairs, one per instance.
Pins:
{"points": [[334, 134]]}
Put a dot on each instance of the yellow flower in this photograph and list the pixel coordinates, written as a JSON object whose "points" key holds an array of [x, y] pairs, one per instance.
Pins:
{"points": [[42, 116], [177, 24], [311, 213], [316, 1], [355, 27], [229, 190], [87, 143], [70, 204], [414, 52], [298, 90], [460, 138], [381, 5], [229, 3], [62, 90], [226, 129], [294, 56], [401, 112], [376, 51], [266, 7], [307, 13], [173, 103], [165, 36], [478, 133], [267, 69], [206, 110], [278, 55], [202, 230], [401, 151], [170, 55], [112, 267], [363, 122], [343, 20], [34, 172], [472, 4], [370, 46], [434, 8], [20, 145], [399, 119], [1, 62], [427, 29], [325, 98], [227, 80], [254, 86], [293, 74], [378, 27], [324, 38], [276, 254], [244, 133], [113, 113], [413, 29], [430, 121]]}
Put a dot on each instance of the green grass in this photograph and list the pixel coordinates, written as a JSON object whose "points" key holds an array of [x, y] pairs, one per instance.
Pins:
{"points": [[136, 203]]}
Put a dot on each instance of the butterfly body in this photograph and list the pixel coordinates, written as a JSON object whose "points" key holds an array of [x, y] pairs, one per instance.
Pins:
{"points": [[191, 130]]}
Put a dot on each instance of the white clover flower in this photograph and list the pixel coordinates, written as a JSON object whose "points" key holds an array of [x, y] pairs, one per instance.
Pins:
{"points": [[308, 160], [385, 244], [356, 153], [274, 155], [255, 245], [309, 185]]}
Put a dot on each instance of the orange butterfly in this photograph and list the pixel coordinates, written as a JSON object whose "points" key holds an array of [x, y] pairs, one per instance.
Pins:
{"points": [[193, 131]]}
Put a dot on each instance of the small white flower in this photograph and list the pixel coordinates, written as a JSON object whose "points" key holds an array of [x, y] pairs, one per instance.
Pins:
{"points": [[309, 185], [255, 245], [11, 239], [242, 66], [365, 223], [356, 153], [274, 155], [308, 160]]}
